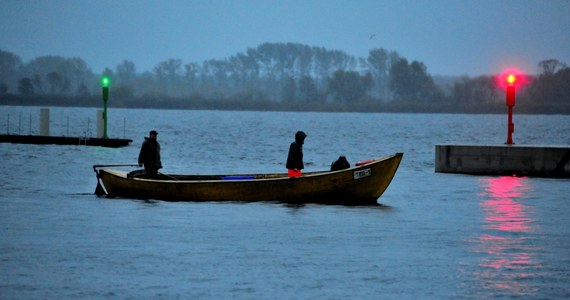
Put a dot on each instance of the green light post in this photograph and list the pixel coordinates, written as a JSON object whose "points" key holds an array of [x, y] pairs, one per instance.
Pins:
{"points": [[105, 82]]}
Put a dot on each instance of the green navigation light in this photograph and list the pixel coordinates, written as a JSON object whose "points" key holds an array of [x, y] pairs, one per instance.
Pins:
{"points": [[105, 81]]}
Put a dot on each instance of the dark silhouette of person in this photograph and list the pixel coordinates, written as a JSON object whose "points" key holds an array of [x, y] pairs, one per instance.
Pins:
{"points": [[295, 156], [149, 155], [340, 164]]}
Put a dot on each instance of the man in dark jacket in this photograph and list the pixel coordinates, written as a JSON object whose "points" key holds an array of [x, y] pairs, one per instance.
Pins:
{"points": [[150, 155], [295, 156]]}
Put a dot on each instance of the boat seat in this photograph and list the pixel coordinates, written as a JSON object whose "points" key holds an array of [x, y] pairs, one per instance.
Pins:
{"points": [[237, 177]]}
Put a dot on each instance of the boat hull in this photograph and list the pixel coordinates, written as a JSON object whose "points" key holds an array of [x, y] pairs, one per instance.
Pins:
{"points": [[358, 185]]}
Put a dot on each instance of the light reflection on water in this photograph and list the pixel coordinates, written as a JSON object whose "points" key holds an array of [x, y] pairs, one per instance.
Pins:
{"points": [[507, 262], [503, 211]]}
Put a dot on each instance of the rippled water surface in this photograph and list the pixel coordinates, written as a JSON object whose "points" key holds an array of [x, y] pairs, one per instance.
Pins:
{"points": [[436, 236]]}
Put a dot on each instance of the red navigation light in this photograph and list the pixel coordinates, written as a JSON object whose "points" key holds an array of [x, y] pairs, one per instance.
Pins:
{"points": [[511, 79]]}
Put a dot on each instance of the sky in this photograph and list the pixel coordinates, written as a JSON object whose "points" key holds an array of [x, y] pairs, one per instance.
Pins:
{"points": [[451, 37]]}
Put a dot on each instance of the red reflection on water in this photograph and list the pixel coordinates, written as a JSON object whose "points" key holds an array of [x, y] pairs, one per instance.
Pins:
{"points": [[507, 256], [503, 211]]}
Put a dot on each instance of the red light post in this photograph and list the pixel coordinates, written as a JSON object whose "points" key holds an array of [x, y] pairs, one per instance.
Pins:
{"points": [[510, 103]]}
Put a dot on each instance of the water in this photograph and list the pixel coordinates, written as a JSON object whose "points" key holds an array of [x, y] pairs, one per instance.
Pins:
{"points": [[437, 236]]}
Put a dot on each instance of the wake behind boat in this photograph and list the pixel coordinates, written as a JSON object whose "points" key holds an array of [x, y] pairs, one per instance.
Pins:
{"points": [[361, 184]]}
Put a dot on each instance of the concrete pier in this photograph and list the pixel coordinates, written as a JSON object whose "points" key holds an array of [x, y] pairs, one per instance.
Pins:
{"points": [[521, 160], [63, 140]]}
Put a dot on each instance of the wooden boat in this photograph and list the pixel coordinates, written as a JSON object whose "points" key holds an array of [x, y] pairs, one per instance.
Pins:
{"points": [[361, 184]]}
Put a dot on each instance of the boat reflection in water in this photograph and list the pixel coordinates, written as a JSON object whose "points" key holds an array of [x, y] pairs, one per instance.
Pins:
{"points": [[505, 245]]}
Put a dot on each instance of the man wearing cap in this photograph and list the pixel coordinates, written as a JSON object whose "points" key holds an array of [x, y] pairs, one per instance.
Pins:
{"points": [[150, 155], [295, 156]]}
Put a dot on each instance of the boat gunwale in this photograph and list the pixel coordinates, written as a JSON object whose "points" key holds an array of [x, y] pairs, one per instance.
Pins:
{"points": [[279, 176]]}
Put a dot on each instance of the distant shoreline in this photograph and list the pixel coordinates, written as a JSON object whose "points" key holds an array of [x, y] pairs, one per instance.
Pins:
{"points": [[358, 107]]}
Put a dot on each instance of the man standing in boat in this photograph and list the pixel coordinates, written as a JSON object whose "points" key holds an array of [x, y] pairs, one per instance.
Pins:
{"points": [[150, 155], [295, 156]]}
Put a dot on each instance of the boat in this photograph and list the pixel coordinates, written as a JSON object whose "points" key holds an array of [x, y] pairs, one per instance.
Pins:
{"points": [[361, 184]]}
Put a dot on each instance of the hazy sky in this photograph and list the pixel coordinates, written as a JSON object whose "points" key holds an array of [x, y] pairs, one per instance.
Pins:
{"points": [[454, 37]]}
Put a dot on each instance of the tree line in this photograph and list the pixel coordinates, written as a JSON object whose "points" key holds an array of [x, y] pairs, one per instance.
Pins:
{"points": [[279, 76]]}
